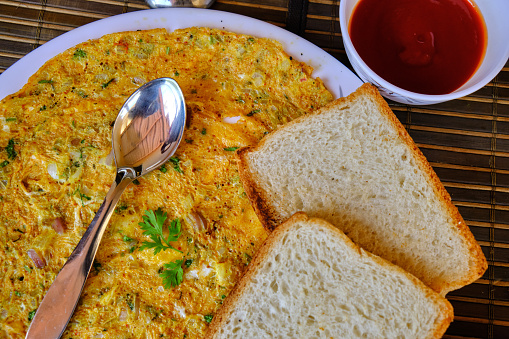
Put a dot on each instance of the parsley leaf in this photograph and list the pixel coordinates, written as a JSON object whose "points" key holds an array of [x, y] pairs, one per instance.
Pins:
{"points": [[11, 153], [153, 227], [173, 274], [231, 149]]}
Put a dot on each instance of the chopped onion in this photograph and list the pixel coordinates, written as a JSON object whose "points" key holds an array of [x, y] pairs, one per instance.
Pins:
{"points": [[75, 156], [76, 175], [181, 311], [38, 261], [196, 221], [193, 274], [231, 120], [136, 307], [138, 80], [58, 225], [107, 160], [53, 171], [123, 315]]}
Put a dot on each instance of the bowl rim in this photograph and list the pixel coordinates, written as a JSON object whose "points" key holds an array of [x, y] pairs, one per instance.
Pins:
{"points": [[406, 93]]}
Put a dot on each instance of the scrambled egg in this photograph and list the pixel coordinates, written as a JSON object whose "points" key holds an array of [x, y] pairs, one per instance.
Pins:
{"points": [[56, 167]]}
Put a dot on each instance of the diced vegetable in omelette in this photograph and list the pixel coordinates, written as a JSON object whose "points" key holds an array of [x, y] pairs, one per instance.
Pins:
{"points": [[56, 167]]}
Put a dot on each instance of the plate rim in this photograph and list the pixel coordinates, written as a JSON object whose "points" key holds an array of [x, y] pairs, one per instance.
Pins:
{"points": [[338, 79]]}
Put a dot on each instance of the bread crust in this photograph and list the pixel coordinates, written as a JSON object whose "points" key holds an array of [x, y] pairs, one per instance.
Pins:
{"points": [[224, 313], [270, 218]]}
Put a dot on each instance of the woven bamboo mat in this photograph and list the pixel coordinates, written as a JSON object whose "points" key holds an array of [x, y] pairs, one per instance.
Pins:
{"points": [[466, 140]]}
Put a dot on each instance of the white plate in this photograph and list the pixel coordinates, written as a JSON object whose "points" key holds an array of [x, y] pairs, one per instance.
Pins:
{"points": [[337, 78]]}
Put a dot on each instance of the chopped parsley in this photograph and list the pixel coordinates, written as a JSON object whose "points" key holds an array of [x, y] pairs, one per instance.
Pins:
{"points": [[231, 149], [31, 315], [11, 153], [4, 163], [176, 164], [203, 131], [79, 54], [188, 262], [163, 169], [253, 112], [120, 208], [208, 318], [108, 83]]}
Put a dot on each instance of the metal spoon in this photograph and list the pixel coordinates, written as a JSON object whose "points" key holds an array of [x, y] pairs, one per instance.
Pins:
{"points": [[147, 131]]}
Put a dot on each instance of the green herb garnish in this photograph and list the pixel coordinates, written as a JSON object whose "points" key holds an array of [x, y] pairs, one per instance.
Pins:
{"points": [[152, 226], [208, 318], [11, 153], [253, 112], [31, 315], [79, 54], [108, 83], [176, 164], [231, 149], [173, 274]]}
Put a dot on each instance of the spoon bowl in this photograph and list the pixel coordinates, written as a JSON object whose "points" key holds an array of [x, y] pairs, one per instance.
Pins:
{"points": [[146, 133]]}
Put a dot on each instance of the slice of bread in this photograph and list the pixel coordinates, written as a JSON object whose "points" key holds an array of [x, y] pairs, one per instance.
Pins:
{"points": [[353, 164], [309, 280]]}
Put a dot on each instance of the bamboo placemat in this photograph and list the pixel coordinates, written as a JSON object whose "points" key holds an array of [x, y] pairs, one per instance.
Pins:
{"points": [[465, 140]]}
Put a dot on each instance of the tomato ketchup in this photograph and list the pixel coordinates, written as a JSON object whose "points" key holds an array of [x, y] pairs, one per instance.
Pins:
{"points": [[424, 46]]}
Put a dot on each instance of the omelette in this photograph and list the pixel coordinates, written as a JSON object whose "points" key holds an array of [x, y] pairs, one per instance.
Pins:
{"points": [[56, 167]]}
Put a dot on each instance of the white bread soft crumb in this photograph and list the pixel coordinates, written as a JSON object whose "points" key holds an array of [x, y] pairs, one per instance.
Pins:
{"points": [[310, 281], [353, 164]]}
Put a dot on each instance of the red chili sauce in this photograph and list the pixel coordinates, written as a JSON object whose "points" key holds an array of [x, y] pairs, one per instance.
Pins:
{"points": [[424, 46]]}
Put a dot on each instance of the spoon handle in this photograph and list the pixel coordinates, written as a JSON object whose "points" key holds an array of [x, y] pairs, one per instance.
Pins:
{"points": [[59, 303]]}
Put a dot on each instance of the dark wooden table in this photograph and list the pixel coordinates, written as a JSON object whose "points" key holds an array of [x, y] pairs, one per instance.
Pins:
{"points": [[465, 140]]}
